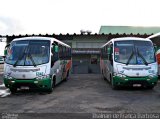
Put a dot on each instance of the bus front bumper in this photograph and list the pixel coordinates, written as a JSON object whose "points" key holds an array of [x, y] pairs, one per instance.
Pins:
{"points": [[131, 81], [30, 83]]}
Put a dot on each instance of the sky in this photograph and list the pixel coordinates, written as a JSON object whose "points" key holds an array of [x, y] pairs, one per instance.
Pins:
{"points": [[71, 16]]}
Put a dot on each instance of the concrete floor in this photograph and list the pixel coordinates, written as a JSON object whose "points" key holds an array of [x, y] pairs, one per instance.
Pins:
{"points": [[84, 94]]}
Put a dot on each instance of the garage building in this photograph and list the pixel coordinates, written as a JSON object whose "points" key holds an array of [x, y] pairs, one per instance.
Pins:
{"points": [[85, 46]]}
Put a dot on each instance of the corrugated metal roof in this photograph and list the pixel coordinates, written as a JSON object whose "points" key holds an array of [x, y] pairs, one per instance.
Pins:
{"points": [[128, 30]]}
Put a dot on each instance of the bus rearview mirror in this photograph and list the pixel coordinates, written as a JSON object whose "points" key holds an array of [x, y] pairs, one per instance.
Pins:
{"points": [[5, 52], [108, 51], [55, 48], [155, 47]]}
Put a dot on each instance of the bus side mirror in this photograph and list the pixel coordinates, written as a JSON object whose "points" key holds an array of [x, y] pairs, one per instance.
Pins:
{"points": [[55, 49], [155, 47], [5, 52], [55, 56], [108, 51]]}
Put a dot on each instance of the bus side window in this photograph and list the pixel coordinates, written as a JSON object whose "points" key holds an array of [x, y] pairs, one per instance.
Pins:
{"points": [[64, 53], [105, 52], [70, 53], [111, 53], [67, 52], [101, 53], [55, 54], [60, 52]]}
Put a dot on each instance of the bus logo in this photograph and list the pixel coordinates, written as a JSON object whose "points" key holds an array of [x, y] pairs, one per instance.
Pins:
{"points": [[24, 76], [137, 74]]}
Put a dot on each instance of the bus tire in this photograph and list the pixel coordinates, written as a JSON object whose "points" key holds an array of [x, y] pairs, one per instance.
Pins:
{"points": [[13, 90], [150, 87], [103, 76], [67, 76], [50, 90], [114, 87], [101, 71]]}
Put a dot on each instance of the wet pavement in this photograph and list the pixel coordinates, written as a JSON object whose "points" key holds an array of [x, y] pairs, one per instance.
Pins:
{"points": [[83, 93]]}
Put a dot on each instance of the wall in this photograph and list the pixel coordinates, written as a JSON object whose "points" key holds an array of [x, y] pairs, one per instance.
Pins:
{"points": [[88, 62]]}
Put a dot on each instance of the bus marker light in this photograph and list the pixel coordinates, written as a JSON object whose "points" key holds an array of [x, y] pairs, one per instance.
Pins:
{"points": [[35, 81], [12, 81], [126, 79]]}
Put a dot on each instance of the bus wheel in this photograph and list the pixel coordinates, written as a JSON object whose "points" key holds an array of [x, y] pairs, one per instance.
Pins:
{"points": [[13, 90], [52, 85], [67, 76], [150, 87], [102, 72], [103, 76], [114, 87]]}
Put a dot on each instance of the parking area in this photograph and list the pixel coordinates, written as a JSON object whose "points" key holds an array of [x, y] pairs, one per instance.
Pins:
{"points": [[83, 93]]}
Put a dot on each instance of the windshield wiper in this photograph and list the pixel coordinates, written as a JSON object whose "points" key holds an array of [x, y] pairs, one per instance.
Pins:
{"points": [[32, 59], [19, 58], [130, 57], [145, 62]]}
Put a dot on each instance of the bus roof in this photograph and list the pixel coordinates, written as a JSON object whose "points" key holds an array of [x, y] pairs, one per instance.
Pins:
{"points": [[154, 35], [126, 38], [41, 38]]}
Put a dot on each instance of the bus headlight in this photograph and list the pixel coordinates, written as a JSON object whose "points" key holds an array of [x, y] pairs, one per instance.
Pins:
{"points": [[119, 75], [152, 75], [43, 77], [8, 77]]}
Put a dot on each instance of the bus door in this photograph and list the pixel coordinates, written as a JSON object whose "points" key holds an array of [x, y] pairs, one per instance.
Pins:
{"points": [[56, 63], [110, 60], [158, 59], [62, 62]]}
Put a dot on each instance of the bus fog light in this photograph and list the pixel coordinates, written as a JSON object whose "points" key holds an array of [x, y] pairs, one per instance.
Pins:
{"points": [[43, 77], [39, 78], [152, 75], [12, 81], [35, 81], [120, 75], [8, 77], [126, 79], [148, 79]]}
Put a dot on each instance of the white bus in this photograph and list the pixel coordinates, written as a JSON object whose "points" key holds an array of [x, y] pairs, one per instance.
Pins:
{"points": [[155, 38], [36, 62], [129, 61]]}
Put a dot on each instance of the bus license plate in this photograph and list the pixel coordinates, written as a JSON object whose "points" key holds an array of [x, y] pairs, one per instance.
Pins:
{"points": [[24, 88], [137, 85]]}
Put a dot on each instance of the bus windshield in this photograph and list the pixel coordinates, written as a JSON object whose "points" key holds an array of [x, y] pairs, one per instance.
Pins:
{"points": [[28, 52], [134, 52]]}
